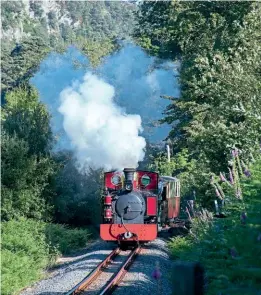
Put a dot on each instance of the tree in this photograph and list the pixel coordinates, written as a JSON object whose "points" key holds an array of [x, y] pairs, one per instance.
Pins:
{"points": [[24, 180], [77, 194], [36, 8], [10, 12], [27, 168], [96, 50], [18, 68], [218, 44], [24, 116], [52, 19]]}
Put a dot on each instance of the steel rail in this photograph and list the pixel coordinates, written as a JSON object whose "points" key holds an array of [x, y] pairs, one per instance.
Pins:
{"points": [[80, 287], [118, 276]]}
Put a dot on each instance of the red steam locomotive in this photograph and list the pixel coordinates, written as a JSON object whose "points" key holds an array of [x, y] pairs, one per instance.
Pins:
{"points": [[136, 203]]}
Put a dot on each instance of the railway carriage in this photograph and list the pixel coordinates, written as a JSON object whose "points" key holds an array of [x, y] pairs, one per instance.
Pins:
{"points": [[169, 200], [136, 204]]}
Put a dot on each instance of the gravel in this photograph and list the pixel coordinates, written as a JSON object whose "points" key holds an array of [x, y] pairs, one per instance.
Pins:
{"points": [[138, 280]]}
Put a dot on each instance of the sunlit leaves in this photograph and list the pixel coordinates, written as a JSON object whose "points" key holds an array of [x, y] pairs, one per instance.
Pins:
{"points": [[27, 167], [218, 44]]}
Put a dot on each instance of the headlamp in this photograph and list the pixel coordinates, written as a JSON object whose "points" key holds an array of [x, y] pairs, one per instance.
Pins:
{"points": [[128, 186]]}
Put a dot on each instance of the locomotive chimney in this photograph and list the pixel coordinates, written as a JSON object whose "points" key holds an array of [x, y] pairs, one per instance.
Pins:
{"points": [[129, 176]]}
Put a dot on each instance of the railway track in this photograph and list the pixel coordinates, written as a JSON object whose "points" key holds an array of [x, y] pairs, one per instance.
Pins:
{"points": [[86, 285]]}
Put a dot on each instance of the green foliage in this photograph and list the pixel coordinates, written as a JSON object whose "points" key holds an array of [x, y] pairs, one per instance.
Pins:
{"points": [[77, 195], [27, 167], [177, 164], [24, 254], [10, 11], [67, 33], [35, 183], [193, 174], [102, 20], [52, 19], [36, 8], [65, 240], [29, 246], [92, 20], [174, 29], [20, 63], [228, 248], [91, 26], [219, 49], [229, 187], [96, 50], [26, 117], [25, 180]]}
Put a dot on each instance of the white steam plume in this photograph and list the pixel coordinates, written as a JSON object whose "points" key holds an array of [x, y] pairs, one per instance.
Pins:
{"points": [[101, 134]]}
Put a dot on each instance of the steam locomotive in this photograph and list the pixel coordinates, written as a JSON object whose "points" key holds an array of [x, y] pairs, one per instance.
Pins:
{"points": [[136, 204]]}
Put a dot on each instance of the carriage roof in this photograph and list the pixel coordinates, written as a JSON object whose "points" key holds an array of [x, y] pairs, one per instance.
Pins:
{"points": [[169, 179]]}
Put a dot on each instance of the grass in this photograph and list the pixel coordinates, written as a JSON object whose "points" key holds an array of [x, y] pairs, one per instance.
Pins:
{"points": [[229, 250], [29, 247]]}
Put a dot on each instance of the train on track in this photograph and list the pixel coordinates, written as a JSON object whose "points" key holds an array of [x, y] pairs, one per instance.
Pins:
{"points": [[136, 204]]}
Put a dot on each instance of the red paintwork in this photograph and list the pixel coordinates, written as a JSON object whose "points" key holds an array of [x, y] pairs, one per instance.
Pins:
{"points": [[177, 207], [151, 206], [107, 180], [154, 180], [145, 232], [107, 200], [136, 182], [173, 207], [108, 213]]}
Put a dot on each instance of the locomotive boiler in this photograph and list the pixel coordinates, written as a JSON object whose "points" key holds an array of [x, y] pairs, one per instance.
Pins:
{"points": [[135, 203]]}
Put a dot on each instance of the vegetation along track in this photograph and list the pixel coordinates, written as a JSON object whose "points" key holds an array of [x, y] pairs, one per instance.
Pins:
{"points": [[96, 278]]}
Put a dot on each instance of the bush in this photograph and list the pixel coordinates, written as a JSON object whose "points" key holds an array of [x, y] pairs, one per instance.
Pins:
{"points": [[29, 246], [77, 195], [27, 167], [229, 248], [24, 180], [64, 239]]}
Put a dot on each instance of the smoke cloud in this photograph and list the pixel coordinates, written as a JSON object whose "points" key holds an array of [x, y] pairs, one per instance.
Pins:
{"points": [[101, 134], [138, 80]]}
